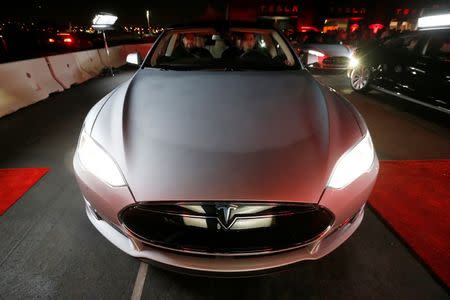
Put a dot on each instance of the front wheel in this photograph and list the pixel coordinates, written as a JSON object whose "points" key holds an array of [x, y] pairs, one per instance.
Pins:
{"points": [[360, 78]]}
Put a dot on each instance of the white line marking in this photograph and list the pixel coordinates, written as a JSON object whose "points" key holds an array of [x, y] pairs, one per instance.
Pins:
{"points": [[139, 283]]}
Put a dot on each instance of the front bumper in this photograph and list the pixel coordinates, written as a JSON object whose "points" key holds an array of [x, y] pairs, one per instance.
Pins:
{"points": [[320, 66], [105, 203], [328, 62], [223, 264]]}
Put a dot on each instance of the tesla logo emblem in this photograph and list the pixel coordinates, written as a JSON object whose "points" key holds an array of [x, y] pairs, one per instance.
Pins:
{"points": [[225, 215]]}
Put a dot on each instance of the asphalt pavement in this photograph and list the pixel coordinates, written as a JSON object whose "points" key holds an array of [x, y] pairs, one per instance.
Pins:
{"points": [[49, 250]]}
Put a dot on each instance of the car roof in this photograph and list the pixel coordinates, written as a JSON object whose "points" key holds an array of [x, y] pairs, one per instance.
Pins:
{"points": [[223, 25], [434, 29]]}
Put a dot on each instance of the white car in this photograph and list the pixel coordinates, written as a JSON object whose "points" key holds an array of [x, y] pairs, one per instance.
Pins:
{"points": [[226, 162], [323, 52]]}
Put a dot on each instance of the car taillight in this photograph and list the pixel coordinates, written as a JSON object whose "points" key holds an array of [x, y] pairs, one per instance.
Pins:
{"points": [[50, 40], [68, 40]]}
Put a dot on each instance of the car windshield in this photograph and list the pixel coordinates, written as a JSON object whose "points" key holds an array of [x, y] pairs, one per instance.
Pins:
{"points": [[234, 49], [319, 38]]}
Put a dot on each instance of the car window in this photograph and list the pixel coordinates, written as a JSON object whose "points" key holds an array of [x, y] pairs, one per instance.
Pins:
{"points": [[439, 47], [408, 42], [237, 48]]}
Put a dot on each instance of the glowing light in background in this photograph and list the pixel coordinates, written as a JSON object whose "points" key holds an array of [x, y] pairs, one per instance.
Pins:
{"points": [[354, 27], [375, 27], [434, 21]]}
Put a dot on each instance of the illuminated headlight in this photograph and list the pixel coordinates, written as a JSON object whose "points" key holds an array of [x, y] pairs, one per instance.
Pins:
{"points": [[316, 53], [353, 62], [98, 162], [352, 164]]}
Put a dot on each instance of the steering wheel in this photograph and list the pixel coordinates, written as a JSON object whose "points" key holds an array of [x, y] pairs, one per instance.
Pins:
{"points": [[253, 54], [279, 59], [200, 53]]}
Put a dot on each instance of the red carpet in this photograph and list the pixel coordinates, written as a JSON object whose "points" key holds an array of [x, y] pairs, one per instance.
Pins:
{"points": [[413, 197], [15, 182]]}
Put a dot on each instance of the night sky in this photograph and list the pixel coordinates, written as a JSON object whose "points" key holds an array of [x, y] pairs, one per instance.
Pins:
{"points": [[129, 11]]}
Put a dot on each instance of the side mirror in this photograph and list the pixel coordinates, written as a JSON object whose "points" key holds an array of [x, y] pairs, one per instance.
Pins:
{"points": [[134, 58]]}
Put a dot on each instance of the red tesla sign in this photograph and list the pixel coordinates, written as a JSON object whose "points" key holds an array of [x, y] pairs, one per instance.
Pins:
{"points": [[279, 9]]}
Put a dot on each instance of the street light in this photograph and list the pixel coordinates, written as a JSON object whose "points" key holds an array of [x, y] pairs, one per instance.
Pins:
{"points": [[147, 13], [103, 22]]}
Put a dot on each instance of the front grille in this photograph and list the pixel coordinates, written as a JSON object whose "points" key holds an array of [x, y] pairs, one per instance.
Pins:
{"points": [[336, 61], [225, 228]]}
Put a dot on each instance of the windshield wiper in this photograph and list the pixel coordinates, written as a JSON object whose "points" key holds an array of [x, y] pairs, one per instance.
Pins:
{"points": [[232, 69], [174, 68]]}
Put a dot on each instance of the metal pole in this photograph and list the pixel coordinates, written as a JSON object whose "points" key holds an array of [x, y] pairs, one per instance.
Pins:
{"points": [[107, 53], [227, 11], [148, 20]]}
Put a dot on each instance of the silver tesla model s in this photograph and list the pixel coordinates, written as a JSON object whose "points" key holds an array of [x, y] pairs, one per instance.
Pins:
{"points": [[223, 154]]}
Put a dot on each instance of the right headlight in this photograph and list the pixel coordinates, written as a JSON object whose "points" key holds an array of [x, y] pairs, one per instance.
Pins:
{"points": [[352, 164], [316, 53], [98, 162]]}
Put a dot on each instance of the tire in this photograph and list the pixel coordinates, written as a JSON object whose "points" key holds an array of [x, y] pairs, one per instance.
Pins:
{"points": [[360, 78]]}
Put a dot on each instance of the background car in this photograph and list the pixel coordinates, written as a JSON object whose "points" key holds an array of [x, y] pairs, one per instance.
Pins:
{"points": [[322, 51], [224, 161], [414, 66], [73, 41]]}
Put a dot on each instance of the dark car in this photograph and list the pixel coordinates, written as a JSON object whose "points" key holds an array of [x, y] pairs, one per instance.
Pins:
{"points": [[414, 66], [62, 42]]}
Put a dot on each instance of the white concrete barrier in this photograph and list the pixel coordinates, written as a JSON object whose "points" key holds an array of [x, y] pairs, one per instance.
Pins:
{"points": [[25, 82], [142, 49], [65, 69], [104, 58], [89, 62], [117, 56]]}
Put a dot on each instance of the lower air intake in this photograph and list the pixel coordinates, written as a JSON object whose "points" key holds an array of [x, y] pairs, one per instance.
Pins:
{"points": [[226, 228]]}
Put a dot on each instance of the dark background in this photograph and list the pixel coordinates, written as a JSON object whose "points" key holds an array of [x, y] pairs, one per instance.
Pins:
{"points": [[129, 11]]}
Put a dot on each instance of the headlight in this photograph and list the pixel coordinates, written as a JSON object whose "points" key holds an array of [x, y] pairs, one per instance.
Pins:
{"points": [[353, 163], [98, 162], [353, 63], [316, 53]]}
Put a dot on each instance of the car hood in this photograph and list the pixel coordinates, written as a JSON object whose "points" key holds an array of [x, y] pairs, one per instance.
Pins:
{"points": [[331, 49], [206, 135]]}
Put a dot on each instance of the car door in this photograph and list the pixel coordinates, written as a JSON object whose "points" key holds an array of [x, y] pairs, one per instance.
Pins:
{"points": [[403, 55], [390, 59], [431, 70], [382, 59]]}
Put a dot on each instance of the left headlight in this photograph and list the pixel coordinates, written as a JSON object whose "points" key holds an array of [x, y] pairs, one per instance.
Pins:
{"points": [[98, 162], [353, 61], [352, 164]]}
